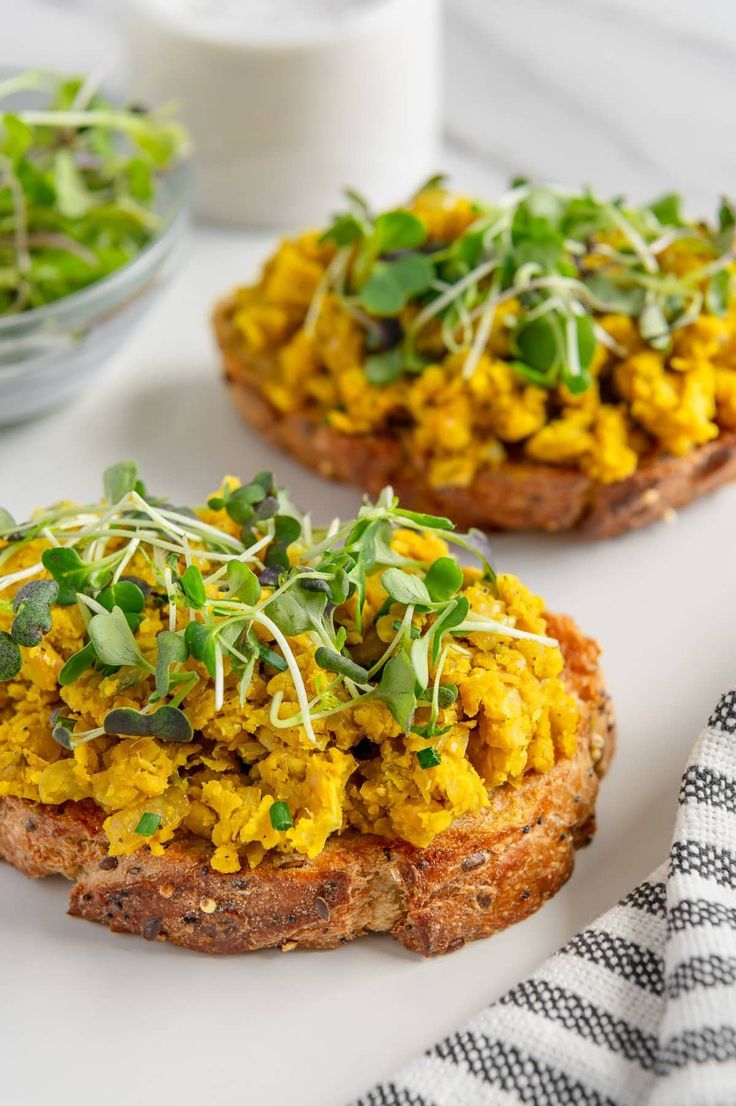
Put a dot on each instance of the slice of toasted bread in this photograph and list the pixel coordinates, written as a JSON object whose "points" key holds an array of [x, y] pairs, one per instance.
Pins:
{"points": [[482, 874], [516, 495]]}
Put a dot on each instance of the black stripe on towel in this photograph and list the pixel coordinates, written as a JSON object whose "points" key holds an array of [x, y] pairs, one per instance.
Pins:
{"points": [[713, 1044], [701, 971], [689, 913], [707, 861], [502, 1065], [651, 897], [557, 1004], [388, 1094], [724, 716], [624, 958], [709, 788]]}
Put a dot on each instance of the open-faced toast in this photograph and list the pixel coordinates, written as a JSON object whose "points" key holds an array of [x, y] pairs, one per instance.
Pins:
{"points": [[234, 729], [551, 361]]}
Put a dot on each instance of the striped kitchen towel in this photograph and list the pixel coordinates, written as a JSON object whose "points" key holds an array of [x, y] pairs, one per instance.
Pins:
{"points": [[640, 1008]]}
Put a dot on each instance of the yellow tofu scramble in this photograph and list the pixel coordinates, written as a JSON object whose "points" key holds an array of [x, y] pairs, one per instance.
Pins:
{"points": [[551, 326], [237, 674]]}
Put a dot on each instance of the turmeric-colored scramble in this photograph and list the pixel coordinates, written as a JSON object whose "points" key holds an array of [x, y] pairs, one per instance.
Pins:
{"points": [[502, 708], [550, 327]]}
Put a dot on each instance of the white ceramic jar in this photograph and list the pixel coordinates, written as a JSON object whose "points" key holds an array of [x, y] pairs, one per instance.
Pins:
{"points": [[289, 101]]}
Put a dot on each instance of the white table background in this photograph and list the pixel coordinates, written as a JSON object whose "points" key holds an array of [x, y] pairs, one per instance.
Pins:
{"points": [[634, 95]]}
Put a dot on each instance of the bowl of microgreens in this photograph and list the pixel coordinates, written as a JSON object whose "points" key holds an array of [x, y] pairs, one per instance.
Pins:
{"points": [[94, 200]]}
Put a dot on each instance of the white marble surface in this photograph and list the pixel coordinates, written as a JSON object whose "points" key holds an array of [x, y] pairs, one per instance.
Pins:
{"points": [[633, 96], [87, 1016]]}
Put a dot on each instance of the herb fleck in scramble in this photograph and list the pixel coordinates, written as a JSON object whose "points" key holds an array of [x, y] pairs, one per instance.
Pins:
{"points": [[238, 674], [551, 326]]}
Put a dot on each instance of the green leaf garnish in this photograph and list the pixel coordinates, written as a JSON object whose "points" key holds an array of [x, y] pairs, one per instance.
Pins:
{"points": [[113, 640], [668, 210], [398, 230], [166, 724], [429, 522], [11, 660], [446, 695], [419, 656], [7, 522], [119, 480], [32, 604], [126, 595], [726, 224], [718, 292], [443, 579], [62, 730], [172, 649], [397, 689], [240, 504], [192, 585], [430, 730], [437, 180], [383, 368], [612, 295], [295, 611], [78, 663], [654, 326], [70, 572], [345, 230], [336, 662], [543, 345], [404, 587], [392, 283], [200, 642], [72, 197], [286, 531], [243, 583]]}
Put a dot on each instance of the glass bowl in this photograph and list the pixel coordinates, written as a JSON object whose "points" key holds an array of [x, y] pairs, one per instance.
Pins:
{"points": [[50, 353]]}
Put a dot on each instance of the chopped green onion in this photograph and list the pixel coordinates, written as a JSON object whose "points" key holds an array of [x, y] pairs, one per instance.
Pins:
{"points": [[280, 816], [269, 657], [148, 824], [428, 758]]}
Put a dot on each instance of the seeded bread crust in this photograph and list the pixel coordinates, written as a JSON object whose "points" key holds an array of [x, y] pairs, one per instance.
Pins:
{"points": [[516, 495], [484, 873]]}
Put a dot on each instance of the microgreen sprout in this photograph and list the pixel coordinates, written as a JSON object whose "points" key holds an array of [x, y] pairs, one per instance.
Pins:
{"points": [[561, 256], [167, 723], [248, 605], [32, 605], [11, 660]]}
